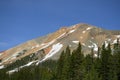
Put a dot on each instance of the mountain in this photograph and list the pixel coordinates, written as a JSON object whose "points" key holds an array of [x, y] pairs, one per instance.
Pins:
{"points": [[50, 46]]}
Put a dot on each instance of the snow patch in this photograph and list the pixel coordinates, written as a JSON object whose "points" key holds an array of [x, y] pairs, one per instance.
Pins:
{"points": [[75, 42], [115, 41], [118, 36], [28, 64], [71, 31], [48, 44], [95, 55], [2, 66], [83, 44], [12, 71], [16, 69], [61, 35], [13, 56], [94, 46], [83, 31], [54, 50], [91, 46], [106, 44], [88, 28]]}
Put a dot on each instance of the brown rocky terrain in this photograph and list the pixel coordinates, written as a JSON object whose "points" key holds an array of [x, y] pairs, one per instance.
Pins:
{"points": [[51, 45]]}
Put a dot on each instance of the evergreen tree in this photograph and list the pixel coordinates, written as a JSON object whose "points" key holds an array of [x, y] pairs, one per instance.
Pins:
{"points": [[76, 66], [66, 66], [105, 55], [98, 53], [116, 56], [60, 66], [92, 75]]}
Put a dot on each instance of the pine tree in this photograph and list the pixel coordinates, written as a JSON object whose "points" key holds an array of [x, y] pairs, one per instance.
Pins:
{"points": [[66, 66], [105, 56], [60, 66], [98, 53], [92, 75], [116, 56], [76, 66]]}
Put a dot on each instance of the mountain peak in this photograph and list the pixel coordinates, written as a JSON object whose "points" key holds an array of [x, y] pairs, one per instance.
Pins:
{"points": [[51, 46], [62, 29]]}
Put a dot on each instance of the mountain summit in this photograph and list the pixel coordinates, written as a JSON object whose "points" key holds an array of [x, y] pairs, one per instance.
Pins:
{"points": [[51, 45]]}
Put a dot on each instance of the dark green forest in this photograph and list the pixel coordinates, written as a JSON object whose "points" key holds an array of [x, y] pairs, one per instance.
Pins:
{"points": [[73, 66]]}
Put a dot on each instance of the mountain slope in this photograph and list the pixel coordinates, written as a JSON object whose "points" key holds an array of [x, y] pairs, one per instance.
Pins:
{"points": [[51, 45]]}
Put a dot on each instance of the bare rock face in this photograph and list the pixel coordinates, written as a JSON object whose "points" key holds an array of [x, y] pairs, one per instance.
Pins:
{"points": [[51, 45]]}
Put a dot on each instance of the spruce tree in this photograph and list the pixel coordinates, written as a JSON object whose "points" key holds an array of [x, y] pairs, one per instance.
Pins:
{"points": [[116, 56], [105, 55], [60, 66], [76, 66], [66, 66], [92, 75]]}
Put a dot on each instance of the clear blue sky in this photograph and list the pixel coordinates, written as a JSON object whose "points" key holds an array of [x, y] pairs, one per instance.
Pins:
{"points": [[22, 20]]}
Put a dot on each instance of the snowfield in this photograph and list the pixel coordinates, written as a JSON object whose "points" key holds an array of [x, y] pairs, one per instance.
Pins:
{"points": [[55, 48]]}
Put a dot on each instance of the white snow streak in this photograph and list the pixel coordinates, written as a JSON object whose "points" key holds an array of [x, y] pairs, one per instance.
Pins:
{"points": [[106, 44], [48, 44], [94, 46], [1, 67], [71, 31], [16, 69], [12, 71], [13, 56], [28, 64], [54, 50], [83, 44], [88, 28], [75, 42], [95, 55], [115, 41], [61, 35]]}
